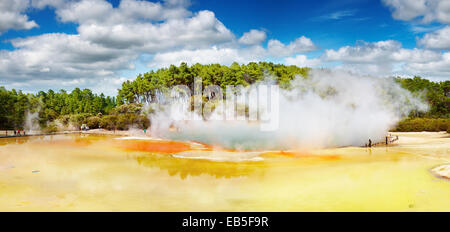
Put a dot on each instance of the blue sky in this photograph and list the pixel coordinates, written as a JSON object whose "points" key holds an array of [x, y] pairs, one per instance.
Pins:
{"points": [[331, 23], [98, 44]]}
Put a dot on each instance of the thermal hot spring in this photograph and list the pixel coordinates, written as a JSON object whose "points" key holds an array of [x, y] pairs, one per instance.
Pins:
{"points": [[80, 172]]}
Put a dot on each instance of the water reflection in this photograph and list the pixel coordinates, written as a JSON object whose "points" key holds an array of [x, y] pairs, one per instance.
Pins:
{"points": [[195, 167], [100, 173], [14, 140]]}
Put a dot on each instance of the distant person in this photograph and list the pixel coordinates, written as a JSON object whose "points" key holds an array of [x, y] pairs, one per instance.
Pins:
{"points": [[18, 132], [370, 143], [15, 132]]}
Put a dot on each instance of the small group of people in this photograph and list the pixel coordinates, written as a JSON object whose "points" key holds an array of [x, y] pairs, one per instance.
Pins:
{"points": [[389, 139], [18, 132], [84, 127]]}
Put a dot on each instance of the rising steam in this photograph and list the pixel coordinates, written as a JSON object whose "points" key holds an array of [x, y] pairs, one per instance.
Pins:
{"points": [[329, 108], [31, 125]]}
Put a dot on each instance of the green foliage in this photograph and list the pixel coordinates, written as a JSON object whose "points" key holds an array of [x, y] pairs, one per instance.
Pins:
{"points": [[77, 120], [108, 122], [128, 121], [50, 128], [51, 105], [144, 89], [437, 94], [93, 122], [424, 124], [124, 122], [14, 105], [132, 108], [126, 110]]}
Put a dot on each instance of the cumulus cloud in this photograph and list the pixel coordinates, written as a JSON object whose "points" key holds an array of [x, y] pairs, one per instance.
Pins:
{"points": [[228, 54], [60, 57], [302, 44], [45, 3], [12, 15], [424, 10], [137, 25], [429, 61], [253, 37], [382, 57], [61, 61], [102, 12], [212, 55], [381, 51], [110, 39], [302, 61], [439, 39], [438, 69]]}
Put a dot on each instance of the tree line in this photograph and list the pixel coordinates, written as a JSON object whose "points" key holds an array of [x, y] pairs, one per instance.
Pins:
{"points": [[49, 105], [436, 94], [126, 109], [144, 89]]}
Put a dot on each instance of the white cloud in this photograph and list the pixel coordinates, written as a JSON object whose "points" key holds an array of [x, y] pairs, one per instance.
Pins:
{"points": [[302, 61], [102, 12], [203, 29], [437, 69], [424, 10], [12, 15], [144, 26], [381, 58], [336, 15], [212, 55], [302, 44], [109, 40], [379, 52], [414, 55], [52, 3], [363, 52], [60, 56], [229, 54], [439, 39], [86, 11], [56, 61], [181, 3], [424, 28], [341, 14], [253, 37]]}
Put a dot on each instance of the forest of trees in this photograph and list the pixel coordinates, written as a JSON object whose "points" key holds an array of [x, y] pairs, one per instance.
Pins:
{"points": [[437, 94], [144, 88], [82, 106], [50, 105]]}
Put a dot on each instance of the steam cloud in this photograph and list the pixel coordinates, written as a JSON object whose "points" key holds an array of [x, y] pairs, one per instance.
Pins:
{"points": [[329, 108], [32, 122]]}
